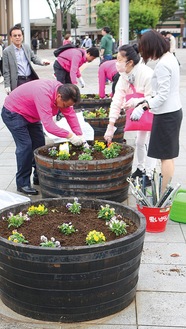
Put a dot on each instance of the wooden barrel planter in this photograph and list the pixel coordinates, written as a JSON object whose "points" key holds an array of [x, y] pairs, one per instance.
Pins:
{"points": [[71, 284], [92, 103], [101, 179], [100, 125]]}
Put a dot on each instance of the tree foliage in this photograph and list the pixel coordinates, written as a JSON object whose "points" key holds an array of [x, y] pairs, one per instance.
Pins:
{"points": [[108, 15], [168, 8], [143, 15]]}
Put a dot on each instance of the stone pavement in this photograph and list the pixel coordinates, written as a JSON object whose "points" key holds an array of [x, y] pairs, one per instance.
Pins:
{"points": [[160, 301]]}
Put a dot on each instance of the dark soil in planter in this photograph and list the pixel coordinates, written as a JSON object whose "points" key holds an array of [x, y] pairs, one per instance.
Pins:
{"points": [[48, 224], [75, 151]]}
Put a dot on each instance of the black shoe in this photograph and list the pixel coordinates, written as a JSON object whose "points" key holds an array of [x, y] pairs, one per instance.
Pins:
{"points": [[137, 173], [27, 190], [36, 181]]}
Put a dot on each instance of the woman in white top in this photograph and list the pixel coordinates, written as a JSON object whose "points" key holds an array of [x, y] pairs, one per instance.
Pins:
{"points": [[165, 104], [132, 71]]}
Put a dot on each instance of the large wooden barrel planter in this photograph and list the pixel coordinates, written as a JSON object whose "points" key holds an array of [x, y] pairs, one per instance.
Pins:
{"points": [[100, 125], [93, 103], [71, 284], [101, 179]]}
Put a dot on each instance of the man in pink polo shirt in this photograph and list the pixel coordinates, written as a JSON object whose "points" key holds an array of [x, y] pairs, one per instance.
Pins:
{"points": [[26, 109], [67, 64]]}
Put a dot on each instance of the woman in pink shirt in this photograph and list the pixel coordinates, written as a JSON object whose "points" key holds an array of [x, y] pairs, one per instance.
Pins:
{"points": [[26, 109], [67, 39], [107, 71]]}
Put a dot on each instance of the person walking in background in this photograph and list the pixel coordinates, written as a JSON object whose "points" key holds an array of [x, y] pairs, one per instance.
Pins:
{"points": [[133, 73], [35, 44], [165, 104], [87, 42], [67, 64], [23, 112], [107, 71], [17, 57], [67, 39], [106, 44], [172, 40]]}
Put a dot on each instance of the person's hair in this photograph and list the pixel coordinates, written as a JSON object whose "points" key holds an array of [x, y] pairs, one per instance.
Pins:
{"points": [[15, 27], [106, 29], [153, 45], [67, 36], [131, 52], [93, 51], [69, 91], [164, 33]]}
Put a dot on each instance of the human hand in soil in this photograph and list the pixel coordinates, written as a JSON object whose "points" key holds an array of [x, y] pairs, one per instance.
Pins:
{"points": [[109, 133], [77, 140]]}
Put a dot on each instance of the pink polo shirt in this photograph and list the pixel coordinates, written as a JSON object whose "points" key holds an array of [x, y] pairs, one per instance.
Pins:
{"points": [[106, 71], [35, 101], [71, 60]]}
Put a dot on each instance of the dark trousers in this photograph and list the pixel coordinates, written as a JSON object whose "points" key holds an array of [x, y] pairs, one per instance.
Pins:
{"points": [[114, 82], [22, 80], [27, 136], [61, 74]]}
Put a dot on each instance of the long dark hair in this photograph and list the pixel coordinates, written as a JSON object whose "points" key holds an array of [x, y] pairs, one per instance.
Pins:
{"points": [[153, 45]]}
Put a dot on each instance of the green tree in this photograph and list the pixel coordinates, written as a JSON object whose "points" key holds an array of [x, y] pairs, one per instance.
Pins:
{"points": [[144, 14], [168, 8], [108, 15]]}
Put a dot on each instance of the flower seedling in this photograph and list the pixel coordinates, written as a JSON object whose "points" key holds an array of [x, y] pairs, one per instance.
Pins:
{"points": [[63, 155], [106, 212], [52, 151], [99, 146], [112, 151], [52, 243], [17, 237], [94, 237], [37, 210], [117, 226], [85, 156], [17, 220], [67, 228], [74, 207]]}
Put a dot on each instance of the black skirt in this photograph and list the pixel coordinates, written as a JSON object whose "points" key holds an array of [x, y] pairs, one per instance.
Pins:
{"points": [[164, 139]]}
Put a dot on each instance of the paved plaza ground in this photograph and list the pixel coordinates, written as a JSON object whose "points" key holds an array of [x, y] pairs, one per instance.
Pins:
{"points": [[160, 301]]}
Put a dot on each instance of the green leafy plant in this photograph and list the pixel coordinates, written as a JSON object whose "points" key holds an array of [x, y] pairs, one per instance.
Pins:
{"points": [[74, 207], [112, 151], [52, 243], [67, 228], [99, 146], [98, 113], [63, 155], [17, 220], [37, 210], [52, 151], [17, 237], [106, 212], [117, 226], [94, 237], [85, 156]]}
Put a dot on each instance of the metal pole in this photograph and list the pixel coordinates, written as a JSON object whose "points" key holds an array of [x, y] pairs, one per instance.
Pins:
{"points": [[124, 22], [25, 20]]}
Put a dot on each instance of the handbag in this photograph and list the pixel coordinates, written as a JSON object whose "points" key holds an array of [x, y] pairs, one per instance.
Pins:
{"points": [[145, 122]]}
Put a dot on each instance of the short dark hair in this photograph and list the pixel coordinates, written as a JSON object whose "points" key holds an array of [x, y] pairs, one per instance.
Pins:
{"points": [[153, 45], [106, 29], [69, 91], [15, 27], [131, 52], [164, 33], [93, 51]]}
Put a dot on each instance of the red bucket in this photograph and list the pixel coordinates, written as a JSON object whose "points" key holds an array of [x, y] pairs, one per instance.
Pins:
{"points": [[156, 218]]}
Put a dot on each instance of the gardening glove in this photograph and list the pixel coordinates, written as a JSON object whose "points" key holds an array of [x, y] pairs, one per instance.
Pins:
{"points": [[109, 133], [82, 83], [77, 140], [7, 90], [137, 113]]}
